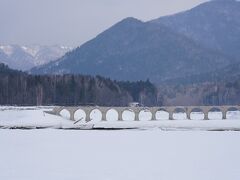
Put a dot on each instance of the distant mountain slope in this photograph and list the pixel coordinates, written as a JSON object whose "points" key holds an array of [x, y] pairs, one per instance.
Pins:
{"points": [[15, 57], [228, 74], [134, 50], [26, 57], [215, 25], [5, 70]]}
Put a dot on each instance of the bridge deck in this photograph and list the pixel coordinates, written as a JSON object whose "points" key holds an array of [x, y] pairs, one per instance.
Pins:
{"points": [[136, 110]]}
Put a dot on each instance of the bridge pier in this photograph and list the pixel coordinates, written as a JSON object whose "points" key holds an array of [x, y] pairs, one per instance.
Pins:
{"points": [[224, 114], [206, 115], [188, 115], [119, 115], [153, 115], [170, 115], [136, 117], [204, 110], [104, 116], [72, 115], [87, 112], [72, 111]]}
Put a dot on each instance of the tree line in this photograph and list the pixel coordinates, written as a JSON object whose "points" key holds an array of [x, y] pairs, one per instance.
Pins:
{"points": [[19, 88]]}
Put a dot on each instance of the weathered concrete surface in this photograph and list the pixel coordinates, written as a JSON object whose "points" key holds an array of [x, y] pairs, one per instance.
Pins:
{"points": [[136, 110]]}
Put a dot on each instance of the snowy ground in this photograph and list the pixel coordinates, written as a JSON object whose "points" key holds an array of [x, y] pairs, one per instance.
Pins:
{"points": [[146, 153], [119, 155], [28, 117], [34, 117]]}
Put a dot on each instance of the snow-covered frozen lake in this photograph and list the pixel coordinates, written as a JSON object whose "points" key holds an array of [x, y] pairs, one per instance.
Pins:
{"points": [[119, 155], [149, 151]]}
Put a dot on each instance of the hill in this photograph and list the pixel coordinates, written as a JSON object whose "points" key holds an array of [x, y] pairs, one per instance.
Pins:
{"points": [[214, 25], [18, 88], [135, 50]]}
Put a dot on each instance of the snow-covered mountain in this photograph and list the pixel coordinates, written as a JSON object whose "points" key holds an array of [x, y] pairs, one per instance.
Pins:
{"points": [[26, 57]]}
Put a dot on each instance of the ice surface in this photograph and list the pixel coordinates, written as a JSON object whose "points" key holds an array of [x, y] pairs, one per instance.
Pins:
{"points": [[137, 154], [119, 155]]}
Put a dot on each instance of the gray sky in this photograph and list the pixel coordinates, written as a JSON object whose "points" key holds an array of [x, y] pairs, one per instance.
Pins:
{"points": [[73, 22]]}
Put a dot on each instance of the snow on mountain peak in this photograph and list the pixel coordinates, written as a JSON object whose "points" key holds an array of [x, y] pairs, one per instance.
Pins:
{"points": [[8, 50], [30, 50], [28, 56]]}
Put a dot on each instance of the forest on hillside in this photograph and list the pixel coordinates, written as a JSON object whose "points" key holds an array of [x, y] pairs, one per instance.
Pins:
{"points": [[18, 88]]}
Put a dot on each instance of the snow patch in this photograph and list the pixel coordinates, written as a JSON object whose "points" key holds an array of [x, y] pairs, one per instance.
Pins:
{"points": [[8, 50], [31, 50]]}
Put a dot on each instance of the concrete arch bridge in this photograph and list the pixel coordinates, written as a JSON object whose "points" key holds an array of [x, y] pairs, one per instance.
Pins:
{"points": [[171, 110]]}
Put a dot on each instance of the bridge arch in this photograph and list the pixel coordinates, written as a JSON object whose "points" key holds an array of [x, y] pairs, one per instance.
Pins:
{"points": [[95, 114], [197, 113], [128, 114], [112, 115], [233, 109], [232, 112], [215, 113], [179, 113], [162, 114], [79, 115], [65, 113], [145, 114]]}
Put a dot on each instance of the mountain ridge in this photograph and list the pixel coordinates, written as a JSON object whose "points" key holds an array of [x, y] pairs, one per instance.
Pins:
{"points": [[135, 50], [24, 57], [213, 24]]}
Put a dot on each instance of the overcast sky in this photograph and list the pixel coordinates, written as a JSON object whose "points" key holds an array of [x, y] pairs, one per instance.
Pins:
{"points": [[73, 22]]}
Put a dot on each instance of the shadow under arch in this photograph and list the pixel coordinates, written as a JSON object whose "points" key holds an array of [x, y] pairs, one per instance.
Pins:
{"points": [[231, 109], [197, 114], [162, 114], [179, 113], [215, 113], [232, 113]]}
